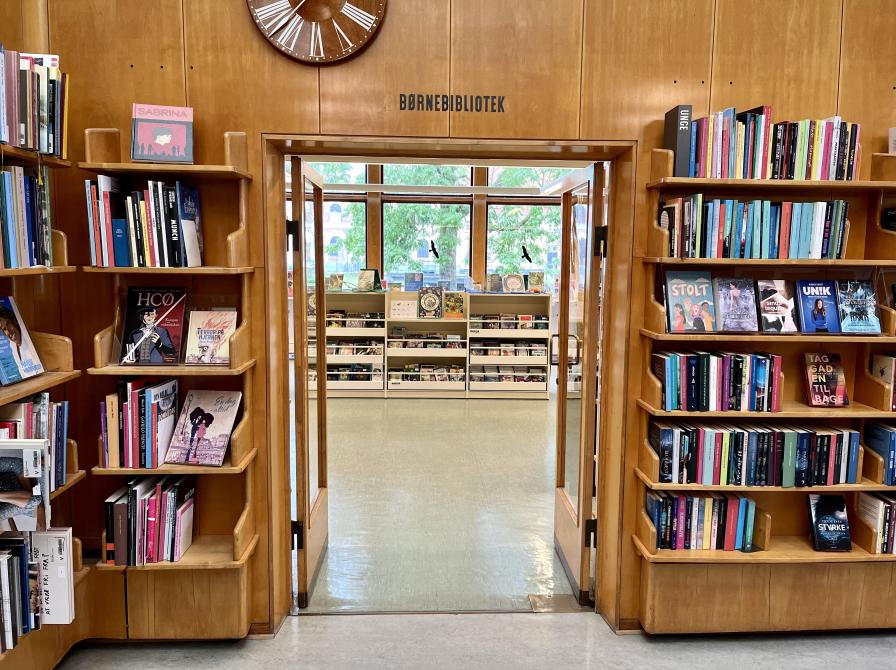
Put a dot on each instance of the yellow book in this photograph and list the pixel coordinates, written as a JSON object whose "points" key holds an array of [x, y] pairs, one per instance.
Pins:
{"points": [[144, 226], [739, 153], [723, 470], [113, 458], [817, 150]]}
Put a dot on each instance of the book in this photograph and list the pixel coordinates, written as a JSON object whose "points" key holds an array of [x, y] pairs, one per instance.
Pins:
{"points": [[369, 280], [883, 367], [513, 282], [535, 281], [203, 428], [183, 529], [830, 524], [52, 551], [493, 283], [18, 356], [334, 281], [208, 337], [161, 133], [690, 305], [735, 301], [777, 306], [677, 138], [818, 306], [857, 303], [413, 281], [825, 380], [453, 304], [189, 215], [429, 302], [153, 325], [24, 482]]}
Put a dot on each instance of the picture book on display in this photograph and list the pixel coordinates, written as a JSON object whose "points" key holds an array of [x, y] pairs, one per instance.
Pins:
{"points": [[735, 304], [818, 306], [826, 383], [153, 325], [208, 337], [18, 356], [858, 307], [25, 485], [454, 304], [777, 306], [413, 281], [513, 282], [535, 282], [203, 429], [689, 302], [429, 302], [162, 134], [830, 524]]}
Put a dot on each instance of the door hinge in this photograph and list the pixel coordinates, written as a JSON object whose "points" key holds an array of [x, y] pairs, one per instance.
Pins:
{"points": [[591, 533], [600, 241], [298, 537]]}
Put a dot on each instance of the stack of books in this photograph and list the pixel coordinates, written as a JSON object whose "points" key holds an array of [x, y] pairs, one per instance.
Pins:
{"points": [[33, 102], [25, 217], [878, 512], [703, 522], [40, 418], [881, 438]]}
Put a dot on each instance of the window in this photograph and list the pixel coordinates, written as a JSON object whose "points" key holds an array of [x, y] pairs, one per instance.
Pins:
{"points": [[408, 230], [345, 240], [341, 173], [428, 175], [526, 177], [537, 227]]}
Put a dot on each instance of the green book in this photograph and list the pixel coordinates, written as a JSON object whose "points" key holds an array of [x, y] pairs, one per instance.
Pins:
{"points": [[748, 525], [766, 228], [789, 465]]}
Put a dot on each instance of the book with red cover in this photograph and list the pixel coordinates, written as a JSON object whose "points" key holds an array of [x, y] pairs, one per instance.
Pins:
{"points": [[731, 522], [825, 380]]}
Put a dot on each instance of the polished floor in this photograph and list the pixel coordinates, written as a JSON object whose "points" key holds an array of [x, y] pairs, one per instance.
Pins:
{"points": [[490, 642], [439, 505]]}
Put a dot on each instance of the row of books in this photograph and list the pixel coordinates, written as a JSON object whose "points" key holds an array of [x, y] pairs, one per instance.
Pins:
{"points": [[354, 348], [878, 511], [340, 318], [508, 373], [25, 217], [728, 228], [698, 302], [748, 145], [881, 438], [355, 372], [495, 348], [150, 520], [141, 427], [755, 455], [417, 372], [154, 225], [703, 381], [39, 418], [406, 340], [33, 102], [509, 322], [702, 522]]}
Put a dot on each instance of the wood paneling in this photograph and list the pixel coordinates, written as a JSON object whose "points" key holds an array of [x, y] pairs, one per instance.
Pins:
{"points": [[784, 54], [634, 70], [23, 25], [409, 55], [530, 53], [867, 77]]}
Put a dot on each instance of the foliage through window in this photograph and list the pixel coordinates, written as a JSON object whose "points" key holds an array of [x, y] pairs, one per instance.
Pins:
{"points": [[428, 175], [537, 227], [526, 177]]}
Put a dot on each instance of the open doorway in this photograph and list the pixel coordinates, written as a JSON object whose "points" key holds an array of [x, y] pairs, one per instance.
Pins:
{"points": [[447, 475]]}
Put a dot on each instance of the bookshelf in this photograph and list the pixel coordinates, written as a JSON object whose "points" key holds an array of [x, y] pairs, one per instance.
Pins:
{"points": [[763, 582]]}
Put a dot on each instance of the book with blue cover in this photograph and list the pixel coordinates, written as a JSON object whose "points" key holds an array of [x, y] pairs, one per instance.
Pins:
{"points": [[830, 525], [18, 356], [857, 302], [818, 306]]}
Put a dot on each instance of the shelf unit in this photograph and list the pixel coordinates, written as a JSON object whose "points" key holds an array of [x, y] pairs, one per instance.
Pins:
{"points": [[216, 568], [762, 582]]}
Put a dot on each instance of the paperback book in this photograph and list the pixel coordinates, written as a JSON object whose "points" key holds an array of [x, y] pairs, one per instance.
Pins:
{"points": [[18, 356], [858, 307], [24, 485], [153, 325], [777, 306], [513, 282], [830, 524], [162, 134], [208, 337], [203, 429], [429, 302], [818, 306], [702, 522], [535, 282], [454, 304], [825, 380], [689, 302], [735, 300]]}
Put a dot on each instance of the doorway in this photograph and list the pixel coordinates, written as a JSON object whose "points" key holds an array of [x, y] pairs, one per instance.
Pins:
{"points": [[433, 513]]}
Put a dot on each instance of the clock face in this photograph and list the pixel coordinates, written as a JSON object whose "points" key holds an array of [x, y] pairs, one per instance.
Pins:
{"points": [[318, 31]]}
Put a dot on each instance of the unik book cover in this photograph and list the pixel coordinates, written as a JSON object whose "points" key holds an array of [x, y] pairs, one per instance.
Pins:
{"points": [[777, 306], [454, 304], [24, 485], [735, 300], [18, 356], [153, 326], [203, 429], [162, 134], [429, 302], [690, 306], [830, 524], [818, 306], [826, 381], [208, 337], [857, 301]]}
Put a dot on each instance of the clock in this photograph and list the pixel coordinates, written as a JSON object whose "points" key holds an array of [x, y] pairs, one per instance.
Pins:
{"points": [[318, 31]]}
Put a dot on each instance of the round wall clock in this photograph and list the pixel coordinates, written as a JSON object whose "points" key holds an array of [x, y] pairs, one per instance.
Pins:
{"points": [[318, 31]]}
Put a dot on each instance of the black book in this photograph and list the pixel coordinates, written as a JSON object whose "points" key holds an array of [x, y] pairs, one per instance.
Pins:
{"points": [[851, 158], [159, 223], [141, 441], [824, 453], [20, 597], [739, 445], [841, 150], [692, 455], [826, 232], [812, 463], [843, 233], [703, 382], [830, 524], [51, 120], [779, 458], [173, 222], [677, 137], [693, 378], [778, 161], [723, 517], [673, 524], [838, 454], [137, 228], [689, 510], [667, 522], [793, 134]]}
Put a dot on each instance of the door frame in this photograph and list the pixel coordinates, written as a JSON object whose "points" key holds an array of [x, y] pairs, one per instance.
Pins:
{"points": [[623, 154]]}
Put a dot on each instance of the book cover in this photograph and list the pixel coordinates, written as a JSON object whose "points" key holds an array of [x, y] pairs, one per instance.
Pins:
{"points": [[777, 306], [677, 138], [513, 282], [162, 134], [24, 485], [203, 428], [535, 281], [52, 551], [190, 221], [369, 280], [826, 383], [429, 302], [208, 337], [493, 283], [858, 306], [183, 529], [18, 356], [413, 281], [735, 300], [818, 306], [689, 302], [453, 304], [334, 281], [830, 525], [161, 411], [883, 367], [153, 325]]}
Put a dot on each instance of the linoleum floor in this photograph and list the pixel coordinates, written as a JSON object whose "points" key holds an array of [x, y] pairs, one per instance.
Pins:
{"points": [[439, 505]]}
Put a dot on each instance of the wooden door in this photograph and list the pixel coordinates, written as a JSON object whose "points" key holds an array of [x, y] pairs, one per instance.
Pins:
{"points": [[579, 335], [310, 396]]}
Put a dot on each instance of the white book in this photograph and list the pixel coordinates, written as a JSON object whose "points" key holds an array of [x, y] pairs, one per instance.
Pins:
{"points": [[695, 514], [4, 122], [892, 140], [817, 230], [835, 146], [844, 455], [871, 510], [676, 453], [713, 384], [53, 550], [5, 600]]}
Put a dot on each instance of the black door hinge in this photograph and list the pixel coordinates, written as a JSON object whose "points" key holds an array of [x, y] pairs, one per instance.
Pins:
{"points": [[600, 241], [591, 533], [298, 537]]}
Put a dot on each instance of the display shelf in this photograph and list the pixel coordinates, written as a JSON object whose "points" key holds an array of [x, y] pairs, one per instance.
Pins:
{"points": [[508, 360], [71, 478], [334, 359], [396, 385], [55, 352], [759, 186], [339, 331], [511, 333], [354, 385], [208, 552], [10, 155], [227, 468], [202, 270], [443, 320], [423, 352], [797, 338], [522, 387], [772, 262]]}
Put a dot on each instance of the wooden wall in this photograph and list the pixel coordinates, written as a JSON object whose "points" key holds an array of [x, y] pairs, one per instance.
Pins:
{"points": [[587, 69]]}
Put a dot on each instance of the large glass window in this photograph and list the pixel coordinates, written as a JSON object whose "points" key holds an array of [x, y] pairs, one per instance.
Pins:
{"points": [[341, 173], [526, 177], [516, 231], [345, 239], [428, 175], [425, 237]]}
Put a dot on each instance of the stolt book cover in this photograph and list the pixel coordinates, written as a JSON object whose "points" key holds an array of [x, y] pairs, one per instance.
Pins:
{"points": [[208, 337], [818, 306], [153, 326], [203, 429], [858, 306], [18, 356], [735, 304], [826, 383], [830, 524], [777, 306], [162, 134], [690, 306]]}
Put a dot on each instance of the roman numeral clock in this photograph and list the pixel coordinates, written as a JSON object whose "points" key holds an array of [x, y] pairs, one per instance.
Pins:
{"points": [[318, 31]]}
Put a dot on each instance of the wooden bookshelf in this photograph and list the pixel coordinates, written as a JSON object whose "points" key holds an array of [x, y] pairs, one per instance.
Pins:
{"points": [[203, 270], [10, 155]]}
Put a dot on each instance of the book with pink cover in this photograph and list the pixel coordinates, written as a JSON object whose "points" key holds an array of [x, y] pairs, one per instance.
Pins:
{"points": [[183, 529], [162, 134], [203, 428]]}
